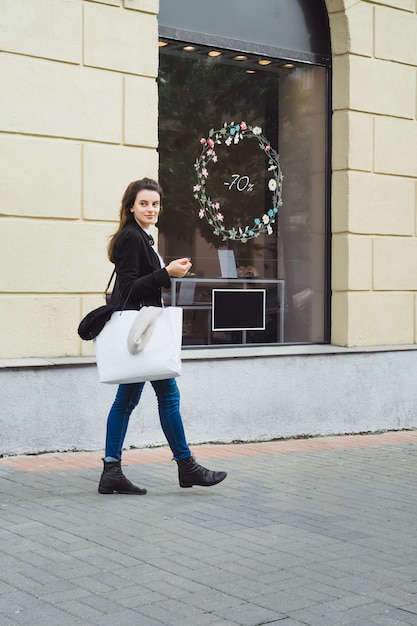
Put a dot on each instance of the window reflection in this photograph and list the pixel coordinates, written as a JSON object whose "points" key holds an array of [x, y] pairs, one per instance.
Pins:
{"points": [[199, 91]]}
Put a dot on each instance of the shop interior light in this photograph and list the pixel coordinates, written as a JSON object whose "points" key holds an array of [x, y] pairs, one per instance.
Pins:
{"points": [[248, 60]]}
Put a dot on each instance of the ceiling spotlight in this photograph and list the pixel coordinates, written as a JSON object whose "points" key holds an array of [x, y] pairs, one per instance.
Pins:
{"points": [[214, 53], [250, 72], [289, 66], [264, 62], [240, 57], [189, 48], [162, 44]]}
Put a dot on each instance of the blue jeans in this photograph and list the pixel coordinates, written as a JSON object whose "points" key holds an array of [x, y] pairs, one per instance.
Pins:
{"points": [[127, 398]]}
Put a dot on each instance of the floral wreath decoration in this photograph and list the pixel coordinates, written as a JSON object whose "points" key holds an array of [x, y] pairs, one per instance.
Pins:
{"points": [[231, 134]]}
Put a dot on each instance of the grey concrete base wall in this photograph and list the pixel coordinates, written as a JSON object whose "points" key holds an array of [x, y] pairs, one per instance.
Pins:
{"points": [[61, 408]]}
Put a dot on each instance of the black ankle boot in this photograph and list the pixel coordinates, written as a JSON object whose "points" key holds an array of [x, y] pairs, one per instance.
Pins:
{"points": [[191, 473], [113, 479]]}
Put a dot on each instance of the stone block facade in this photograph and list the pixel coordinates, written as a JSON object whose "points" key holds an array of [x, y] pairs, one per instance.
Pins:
{"points": [[78, 124], [374, 188], [80, 121]]}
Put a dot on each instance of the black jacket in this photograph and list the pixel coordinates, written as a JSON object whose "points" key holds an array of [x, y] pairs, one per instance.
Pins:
{"points": [[138, 270]]}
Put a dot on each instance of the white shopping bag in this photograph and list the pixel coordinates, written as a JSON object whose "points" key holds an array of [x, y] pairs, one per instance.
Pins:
{"points": [[159, 359]]}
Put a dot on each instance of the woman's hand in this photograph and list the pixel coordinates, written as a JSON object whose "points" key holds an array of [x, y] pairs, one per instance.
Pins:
{"points": [[178, 268]]}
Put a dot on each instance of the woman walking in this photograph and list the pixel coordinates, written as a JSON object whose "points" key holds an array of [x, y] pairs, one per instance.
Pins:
{"points": [[141, 273]]}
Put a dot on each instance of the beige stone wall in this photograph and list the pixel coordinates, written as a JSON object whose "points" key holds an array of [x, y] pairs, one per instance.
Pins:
{"points": [[78, 122], [374, 265]]}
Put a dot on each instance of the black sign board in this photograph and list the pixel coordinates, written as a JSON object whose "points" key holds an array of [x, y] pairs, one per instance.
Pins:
{"points": [[238, 309]]}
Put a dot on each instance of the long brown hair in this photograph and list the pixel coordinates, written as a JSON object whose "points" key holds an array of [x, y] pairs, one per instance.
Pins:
{"points": [[128, 200]]}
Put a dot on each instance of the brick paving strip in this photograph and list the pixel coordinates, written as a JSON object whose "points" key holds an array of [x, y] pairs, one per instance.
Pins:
{"points": [[62, 461]]}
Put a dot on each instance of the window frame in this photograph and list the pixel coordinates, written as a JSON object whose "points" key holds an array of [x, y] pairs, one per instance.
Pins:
{"points": [[307, 58]]}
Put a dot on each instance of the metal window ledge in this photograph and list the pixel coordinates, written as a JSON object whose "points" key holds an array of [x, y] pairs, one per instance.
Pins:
{"points": [[213, 354]]}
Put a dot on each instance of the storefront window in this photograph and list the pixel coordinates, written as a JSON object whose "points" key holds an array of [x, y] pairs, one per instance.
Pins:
{"points": [[242, 144]]}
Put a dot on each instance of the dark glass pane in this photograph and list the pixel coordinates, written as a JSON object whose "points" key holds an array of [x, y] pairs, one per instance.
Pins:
{"points": [[215, 217]]}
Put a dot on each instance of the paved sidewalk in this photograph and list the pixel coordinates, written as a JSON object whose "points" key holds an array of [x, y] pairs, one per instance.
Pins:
{"points": [[316, 532]]}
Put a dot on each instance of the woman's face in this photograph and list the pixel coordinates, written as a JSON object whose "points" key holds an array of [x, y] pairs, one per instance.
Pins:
{"points": [[146, 208]]}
